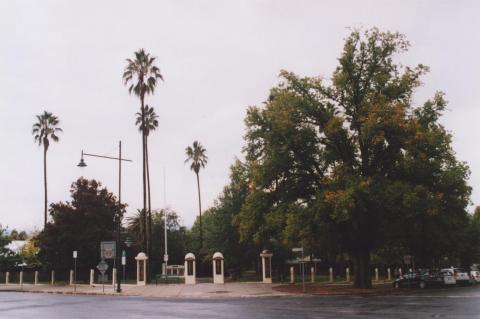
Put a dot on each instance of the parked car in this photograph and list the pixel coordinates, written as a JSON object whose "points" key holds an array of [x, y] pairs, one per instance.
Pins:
{"points": [[462, 276], [420, 279], [476, 276], [448, 277]]}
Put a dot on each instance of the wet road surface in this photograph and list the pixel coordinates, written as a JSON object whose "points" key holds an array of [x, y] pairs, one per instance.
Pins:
{"points": [[446, 303]]}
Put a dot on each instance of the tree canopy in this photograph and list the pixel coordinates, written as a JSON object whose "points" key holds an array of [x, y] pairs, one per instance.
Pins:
{"points": [[81, 224], [355, 153]]}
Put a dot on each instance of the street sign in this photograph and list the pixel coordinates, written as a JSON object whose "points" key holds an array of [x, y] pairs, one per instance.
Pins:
{"points": [[165, 258], [102, 266], [107, 249], [297, 250], [75, 254]]}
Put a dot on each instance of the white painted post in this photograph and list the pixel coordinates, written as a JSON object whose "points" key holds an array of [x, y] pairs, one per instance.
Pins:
{"points": [[71, 277], [218, 267], [376, 274], [389, 274], [330, 270], [292, 275], [21, 278], [53, 278], [312, 274], [7, 278], [348, 274], [114, 276], [190, 272], [92, 277], [36, 277], [266, 266]]}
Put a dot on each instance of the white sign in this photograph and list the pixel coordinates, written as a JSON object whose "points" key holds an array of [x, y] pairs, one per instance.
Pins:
{"points": [[165, 258], [102, 266], [297, 250], [124, 260], [75, 254], [107, 249]]}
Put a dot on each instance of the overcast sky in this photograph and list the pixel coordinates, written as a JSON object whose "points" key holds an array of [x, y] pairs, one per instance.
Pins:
{"points": [[217, 58]]}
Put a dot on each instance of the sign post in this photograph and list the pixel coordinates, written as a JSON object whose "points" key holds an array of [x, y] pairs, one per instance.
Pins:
{"points": [[108, 250], [102, 267], [75, 271], [407, 260], [302, 265]]}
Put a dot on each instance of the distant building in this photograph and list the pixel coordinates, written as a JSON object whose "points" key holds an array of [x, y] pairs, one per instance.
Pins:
{"points": [[16, 246]]}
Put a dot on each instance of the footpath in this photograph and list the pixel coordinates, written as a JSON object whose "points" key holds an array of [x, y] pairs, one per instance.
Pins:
{"points": [[201, 290]]}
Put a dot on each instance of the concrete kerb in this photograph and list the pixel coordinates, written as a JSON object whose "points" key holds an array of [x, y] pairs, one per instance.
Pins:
{"points": [[180, 291]]}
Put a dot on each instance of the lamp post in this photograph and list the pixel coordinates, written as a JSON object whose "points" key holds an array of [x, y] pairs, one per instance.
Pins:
{"points": [[119, 159], [75, 271]]}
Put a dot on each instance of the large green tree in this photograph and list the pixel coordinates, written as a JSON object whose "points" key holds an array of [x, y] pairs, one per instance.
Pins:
{"points": [[81, 224], [46, 129], [353, 153], [197, 155], [220, 229], [141, 75]]}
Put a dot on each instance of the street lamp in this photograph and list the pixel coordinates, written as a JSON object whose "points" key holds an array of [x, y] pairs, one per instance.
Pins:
{"points": [[119, 159]]}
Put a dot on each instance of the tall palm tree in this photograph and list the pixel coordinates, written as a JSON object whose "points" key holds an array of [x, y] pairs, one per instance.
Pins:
{"points": [[150, 124], [141, 74], [45, 129], [197, 155]]}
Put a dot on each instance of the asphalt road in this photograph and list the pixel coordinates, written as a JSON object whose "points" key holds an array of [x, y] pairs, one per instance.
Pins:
{"points": [[449, 303]]}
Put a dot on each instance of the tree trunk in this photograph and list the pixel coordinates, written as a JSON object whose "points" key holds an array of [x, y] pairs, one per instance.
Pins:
{"points": [[363, 275], [144, 244], [149, 242], [200, 211], [45, 184]]}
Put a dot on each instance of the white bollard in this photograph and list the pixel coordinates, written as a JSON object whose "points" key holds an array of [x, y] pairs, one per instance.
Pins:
{"points": [[389, 274], [71, 277], [92, 277], [21, 278], [52, 281], [312, 274], [348, 274], [376, 274], [7, 278], [330, 270], [36, 277], [114, 276], [292, 275]]}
